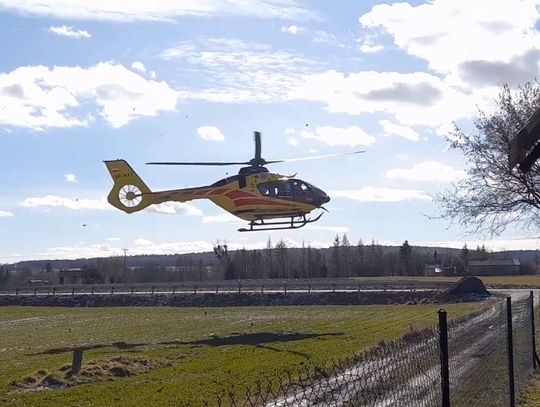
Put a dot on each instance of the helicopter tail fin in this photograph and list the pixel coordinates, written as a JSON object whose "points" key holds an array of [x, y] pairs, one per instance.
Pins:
{"points": [[129, 192]]}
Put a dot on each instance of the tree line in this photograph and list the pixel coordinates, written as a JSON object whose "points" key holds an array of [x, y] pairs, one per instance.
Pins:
{"points": [[341, 260]]}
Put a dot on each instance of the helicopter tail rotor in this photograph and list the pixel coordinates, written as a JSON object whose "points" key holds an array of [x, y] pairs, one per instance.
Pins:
{"points": [[129, 192]]}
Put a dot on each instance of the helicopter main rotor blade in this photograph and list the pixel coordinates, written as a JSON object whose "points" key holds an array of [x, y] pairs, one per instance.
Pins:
{"points": [[197, 163], [315, 157]]}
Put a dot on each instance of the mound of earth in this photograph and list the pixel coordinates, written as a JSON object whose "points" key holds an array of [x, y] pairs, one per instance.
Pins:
{"points": [[91, 372], [468, 288]]}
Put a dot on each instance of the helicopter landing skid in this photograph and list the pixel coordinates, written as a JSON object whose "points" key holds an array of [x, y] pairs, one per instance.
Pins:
{"points": [[261, 225]]}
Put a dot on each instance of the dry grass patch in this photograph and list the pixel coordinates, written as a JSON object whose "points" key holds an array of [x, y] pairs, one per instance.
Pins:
{"points": [[95, 371]]}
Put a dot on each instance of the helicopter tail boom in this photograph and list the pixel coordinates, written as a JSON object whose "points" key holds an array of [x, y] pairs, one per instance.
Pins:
{"points": [[129, 192]]}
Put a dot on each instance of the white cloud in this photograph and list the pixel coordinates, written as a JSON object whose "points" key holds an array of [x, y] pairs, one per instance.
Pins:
{"points": [[66, 31], [290, 131], [144, 246], [324, 37], [113, 239], [221, 218], [368, 44], [292, 29], [6, 214], [138, 66], [336, 136], [370, 49], [519, 243], [380, 194], [484, 40], [38, 97], [392, 129], [210, 133], [236, 71], [76, 252], [174, 208], [413, 98], [164, 10], [52, 201], [71, 178], [292, 141], [427, 171], [153, 74], [333, 229]]}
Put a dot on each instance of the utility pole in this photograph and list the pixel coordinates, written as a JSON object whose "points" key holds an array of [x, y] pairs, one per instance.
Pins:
{"points": [[125, 264]]}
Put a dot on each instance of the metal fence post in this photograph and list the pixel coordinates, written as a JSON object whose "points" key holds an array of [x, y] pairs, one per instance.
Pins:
{"points": [[443, 347], [510, 351], [536, 362]]}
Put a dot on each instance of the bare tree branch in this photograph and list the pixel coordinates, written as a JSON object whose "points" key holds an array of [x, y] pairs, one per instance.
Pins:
{"points": [[492, 196]]}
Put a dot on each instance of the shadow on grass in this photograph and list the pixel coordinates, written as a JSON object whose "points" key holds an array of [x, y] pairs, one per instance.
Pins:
{"points": [[257, 339]]}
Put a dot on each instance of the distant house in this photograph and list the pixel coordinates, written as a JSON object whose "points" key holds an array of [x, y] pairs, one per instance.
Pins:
{"points": [[433, 270], [35, 281], [72, 276], [493, 267]]}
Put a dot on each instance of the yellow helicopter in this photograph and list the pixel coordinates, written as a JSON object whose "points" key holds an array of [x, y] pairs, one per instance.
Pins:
{"points": [[254, 194]]}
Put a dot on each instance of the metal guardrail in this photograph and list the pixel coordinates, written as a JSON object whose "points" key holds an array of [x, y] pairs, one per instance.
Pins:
{"points": [[222, 287]]}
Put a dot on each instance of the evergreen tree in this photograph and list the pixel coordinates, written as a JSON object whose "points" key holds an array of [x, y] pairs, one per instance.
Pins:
{"points": [[405, 254], [335, 258], [345, 245]]}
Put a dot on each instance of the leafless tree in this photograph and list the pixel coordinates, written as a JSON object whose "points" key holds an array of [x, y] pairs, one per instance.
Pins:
{"points": [[492, 196]]}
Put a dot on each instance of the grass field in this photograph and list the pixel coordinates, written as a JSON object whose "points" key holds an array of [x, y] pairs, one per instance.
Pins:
{"points": [[200, 350]]}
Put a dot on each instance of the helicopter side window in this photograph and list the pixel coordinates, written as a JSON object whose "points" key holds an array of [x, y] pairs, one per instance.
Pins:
{"points": [[276, 189], [264, 189]]}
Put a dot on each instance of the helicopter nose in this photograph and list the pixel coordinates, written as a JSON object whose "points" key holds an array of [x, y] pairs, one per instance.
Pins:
{"points": [[323, 199]]}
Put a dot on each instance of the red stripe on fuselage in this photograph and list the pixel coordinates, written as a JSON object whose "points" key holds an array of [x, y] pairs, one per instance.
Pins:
{"points": [[255, 201], [218, 191], [239, 194]]}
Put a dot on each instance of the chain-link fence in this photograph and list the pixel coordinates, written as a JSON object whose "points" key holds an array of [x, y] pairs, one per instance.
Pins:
{"points": [[410, 371]]}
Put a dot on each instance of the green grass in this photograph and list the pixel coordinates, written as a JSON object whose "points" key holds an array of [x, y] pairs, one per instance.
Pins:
{"points": [[250, 346], [530, 396]]}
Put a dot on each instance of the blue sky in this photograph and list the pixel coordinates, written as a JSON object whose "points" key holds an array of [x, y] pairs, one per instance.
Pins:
{"points": [[81, 82]]}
